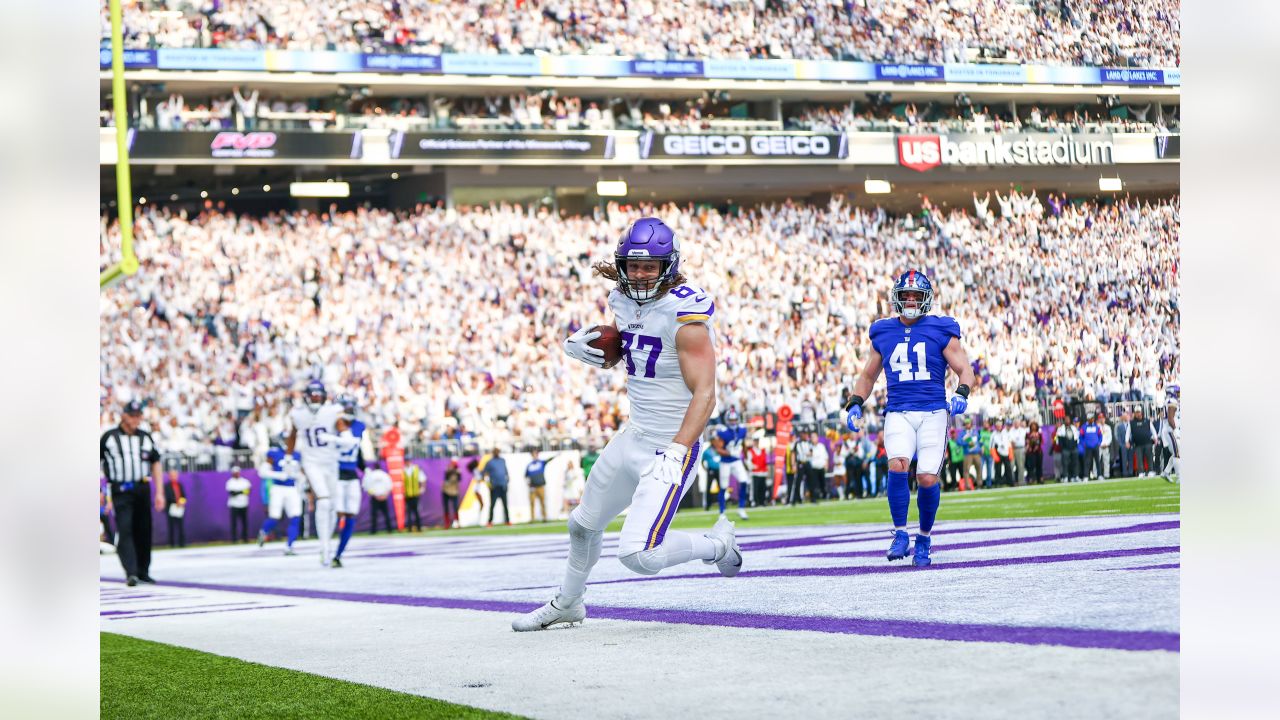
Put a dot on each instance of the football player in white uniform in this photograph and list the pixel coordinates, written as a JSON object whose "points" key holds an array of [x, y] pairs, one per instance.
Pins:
{"points": [[319, 422], [669, 351], [1170, 434]]}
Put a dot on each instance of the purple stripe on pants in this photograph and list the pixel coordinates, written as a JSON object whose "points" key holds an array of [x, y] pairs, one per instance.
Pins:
{"points": [[663, 521]]}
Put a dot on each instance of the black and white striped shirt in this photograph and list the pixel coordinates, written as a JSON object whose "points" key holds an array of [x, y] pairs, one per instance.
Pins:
{"points": [[127, 458]]}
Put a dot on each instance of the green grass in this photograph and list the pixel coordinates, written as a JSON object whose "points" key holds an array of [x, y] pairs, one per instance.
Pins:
{"points": [[143, 679], [1110, 497]]}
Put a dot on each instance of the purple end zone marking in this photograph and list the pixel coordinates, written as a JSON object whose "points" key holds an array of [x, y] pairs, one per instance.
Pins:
{"points": [[847, 570], [869, 534], [924, 630], [1139, 528]]}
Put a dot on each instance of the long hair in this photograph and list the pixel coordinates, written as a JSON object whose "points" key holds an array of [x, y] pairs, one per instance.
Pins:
{"points": [[609, 271]]}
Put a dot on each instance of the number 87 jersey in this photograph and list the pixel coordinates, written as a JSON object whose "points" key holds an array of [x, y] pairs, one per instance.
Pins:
{"points": [[914, 366], [655, 384]]}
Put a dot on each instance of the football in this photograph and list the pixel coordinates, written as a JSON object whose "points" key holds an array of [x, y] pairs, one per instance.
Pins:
{"points": [[610, 342]]}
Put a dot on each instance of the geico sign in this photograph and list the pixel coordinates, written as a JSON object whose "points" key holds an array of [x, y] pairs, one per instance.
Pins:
{"points": [[790, 145], [925, 152]]}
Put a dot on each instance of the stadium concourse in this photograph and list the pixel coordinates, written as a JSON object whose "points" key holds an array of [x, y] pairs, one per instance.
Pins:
{"points": [[442, 319], [1039, 617]]}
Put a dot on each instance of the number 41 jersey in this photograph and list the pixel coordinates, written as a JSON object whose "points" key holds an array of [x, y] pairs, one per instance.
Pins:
{"points": [[655, 385], [914, 366]]}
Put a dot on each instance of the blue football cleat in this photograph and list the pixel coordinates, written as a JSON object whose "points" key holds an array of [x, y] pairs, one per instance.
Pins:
{"points": [[898, 549], [921, 558]]}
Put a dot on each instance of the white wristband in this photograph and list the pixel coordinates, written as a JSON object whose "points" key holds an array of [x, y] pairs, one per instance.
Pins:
{"points": [[678, 448]]}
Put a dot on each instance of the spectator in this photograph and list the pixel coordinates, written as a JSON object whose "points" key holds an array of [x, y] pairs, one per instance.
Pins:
{"points": [[1035, 454], [867, 456], [535, 474], [972, 440], [238, 502], [1106, 446], [955, 461], [1068, 438], [1091, 441], [449, 494], [1143, 442], [1018, 439], [175, 505], [377, 483], [413, 482], [760, 467], [715, 491], [839, 468], [1002, 450], [1124, 444], [495, 472]]}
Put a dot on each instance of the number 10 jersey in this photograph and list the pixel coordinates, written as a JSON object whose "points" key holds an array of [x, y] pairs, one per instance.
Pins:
{"points": [[914, 366], [655, 385]]}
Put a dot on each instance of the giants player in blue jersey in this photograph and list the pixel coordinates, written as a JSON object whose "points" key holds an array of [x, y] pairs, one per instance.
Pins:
{"points": [[350, 464], [733, 473], [919, 347]]}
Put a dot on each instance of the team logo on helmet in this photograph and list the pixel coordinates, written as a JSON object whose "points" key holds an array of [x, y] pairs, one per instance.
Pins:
{"points": [[912, 281], [731, 417], [315, 395], [651, 239]]}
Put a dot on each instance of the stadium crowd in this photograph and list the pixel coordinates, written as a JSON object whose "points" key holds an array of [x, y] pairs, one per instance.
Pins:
{"points": [[549, 111], [1064, 32], [449, 321]]}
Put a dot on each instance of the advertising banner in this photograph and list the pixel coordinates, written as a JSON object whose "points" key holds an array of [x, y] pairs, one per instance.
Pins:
{"points": [[925, 152], [501, 146], [400, 63], [235, 145], [757, 146], [910, 73], [667, 68], [1131, 76]]}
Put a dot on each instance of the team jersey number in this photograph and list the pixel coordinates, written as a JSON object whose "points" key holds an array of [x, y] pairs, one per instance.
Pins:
{"points": [[900, 362], [631, 342], [314, 438]]}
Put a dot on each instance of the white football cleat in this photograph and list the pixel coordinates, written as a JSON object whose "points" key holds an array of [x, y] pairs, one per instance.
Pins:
{"points": [[742, 514], [550, 614], [729, 559]]}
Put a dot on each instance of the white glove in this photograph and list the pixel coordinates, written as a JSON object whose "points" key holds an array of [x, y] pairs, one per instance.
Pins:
{"points": [[576, 347], [668, 467]]}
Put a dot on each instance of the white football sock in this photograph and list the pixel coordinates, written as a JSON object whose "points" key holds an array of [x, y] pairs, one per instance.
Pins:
{"points": [[324, 526], [584, 552]]}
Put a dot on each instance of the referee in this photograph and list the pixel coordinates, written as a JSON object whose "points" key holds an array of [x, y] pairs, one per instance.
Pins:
{"points": [[128, 453]]}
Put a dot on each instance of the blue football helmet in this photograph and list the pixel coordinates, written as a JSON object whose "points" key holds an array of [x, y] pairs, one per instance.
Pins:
{"points": [[315, 395], [912, 281], [348, 404], [648, 238], [731, 418]]}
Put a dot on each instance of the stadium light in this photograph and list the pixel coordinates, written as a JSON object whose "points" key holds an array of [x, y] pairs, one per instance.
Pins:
{"points": [[395, 176], [266, 188], [1110, 184], [204, 194], [235, 191], [142, 201], [320, 189], [611, 188], [877, 187]]}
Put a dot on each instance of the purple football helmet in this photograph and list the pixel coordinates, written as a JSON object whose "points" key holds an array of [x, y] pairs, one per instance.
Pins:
{"points": [[650, 239], [912, 281]]}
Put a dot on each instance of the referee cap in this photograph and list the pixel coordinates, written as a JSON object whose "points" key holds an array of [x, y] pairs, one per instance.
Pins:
{"points": [[133, 407]]}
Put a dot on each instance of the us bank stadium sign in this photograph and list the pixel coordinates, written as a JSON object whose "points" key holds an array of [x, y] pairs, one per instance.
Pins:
{"points": [[763, 146], [926, 152]]}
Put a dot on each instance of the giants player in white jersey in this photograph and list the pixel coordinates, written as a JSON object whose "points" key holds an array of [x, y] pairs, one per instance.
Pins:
{"points": [[319, 422], [670, 356]]}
